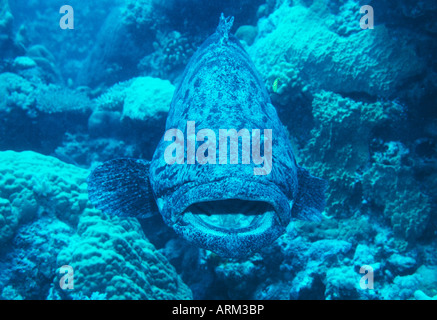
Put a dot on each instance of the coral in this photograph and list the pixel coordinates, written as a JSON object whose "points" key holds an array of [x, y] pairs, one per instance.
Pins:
{"points": [[8, 220], [24, 63], [141, 102], [325, 250], [56, 99], [299, 38], [116, 51], [182, 15], [44, 208], [16, 92], [33, 263], [141, 98], [428, 275], [420, 295], [343, 129], [401, 265], [371, 173], [240, 276], [46, 62], [112, 256], [141, 17], [247, 34], [79, 149], [32, 185], [113, 98], [171, 55], [364, 255], [395, 189], [147, 97], [402, 288], [342, 283], [35, 116]]}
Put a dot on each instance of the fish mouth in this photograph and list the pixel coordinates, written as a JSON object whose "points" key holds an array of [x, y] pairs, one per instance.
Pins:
{"points": [[230, 215]]}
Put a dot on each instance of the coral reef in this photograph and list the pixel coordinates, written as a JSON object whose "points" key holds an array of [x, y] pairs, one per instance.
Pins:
{"points": [[155, 38], [33, 185], [112, 256], [343, 129], [142, 98], [247, 34], [147, 98], [35, 115], [46, 214], [171, 55], [115, 55], [319, 58], [395, 189], [359, 106]]}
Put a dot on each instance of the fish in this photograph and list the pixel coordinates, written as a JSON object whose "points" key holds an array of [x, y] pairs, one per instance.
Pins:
{"points": [[225, 202], [275, 85]]}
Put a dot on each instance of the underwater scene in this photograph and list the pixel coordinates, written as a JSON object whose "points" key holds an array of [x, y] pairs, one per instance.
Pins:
{"points": [[218, 150]]}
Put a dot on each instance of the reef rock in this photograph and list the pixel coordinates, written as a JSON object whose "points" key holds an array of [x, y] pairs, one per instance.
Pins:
{"points": [[47, 222], [112, 256], [300, 46]]}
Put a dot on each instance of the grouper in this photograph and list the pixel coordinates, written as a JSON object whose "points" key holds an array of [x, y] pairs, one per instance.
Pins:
{"points": [[230, 198]]}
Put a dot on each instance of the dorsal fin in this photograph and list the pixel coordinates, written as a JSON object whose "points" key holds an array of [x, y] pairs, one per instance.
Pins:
{"points": [[224, 27]]}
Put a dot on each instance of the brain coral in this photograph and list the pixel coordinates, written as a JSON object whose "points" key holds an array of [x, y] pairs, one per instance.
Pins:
{"points": [[110, 256], [32, 185]]}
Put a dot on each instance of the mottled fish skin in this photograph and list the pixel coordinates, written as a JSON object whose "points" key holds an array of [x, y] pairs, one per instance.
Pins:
{"points": [[221, 89], [224, 208]]}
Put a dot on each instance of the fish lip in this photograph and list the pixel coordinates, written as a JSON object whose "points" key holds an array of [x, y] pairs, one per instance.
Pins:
{"points": [[228, 242], [226, 189], [257, 223]]}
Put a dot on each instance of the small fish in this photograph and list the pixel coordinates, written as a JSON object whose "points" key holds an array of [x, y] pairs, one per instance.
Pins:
{"points": [[275, 85], [227, 207]]}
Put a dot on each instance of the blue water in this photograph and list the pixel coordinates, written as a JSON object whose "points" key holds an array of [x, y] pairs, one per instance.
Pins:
{"points": [[354, 86]]}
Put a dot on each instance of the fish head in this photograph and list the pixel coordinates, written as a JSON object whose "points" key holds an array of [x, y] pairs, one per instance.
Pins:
{"points": [[224, 208]]}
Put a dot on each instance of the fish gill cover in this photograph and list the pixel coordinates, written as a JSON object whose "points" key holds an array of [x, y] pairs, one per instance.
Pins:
{"points": [[289, 153]]}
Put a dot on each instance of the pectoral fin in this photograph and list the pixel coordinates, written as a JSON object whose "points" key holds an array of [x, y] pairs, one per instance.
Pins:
{"points": [[310, 200], [121, 187]]}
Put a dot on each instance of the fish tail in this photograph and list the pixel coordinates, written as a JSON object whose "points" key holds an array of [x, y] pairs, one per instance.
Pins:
{"points": [[224, 27]]}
